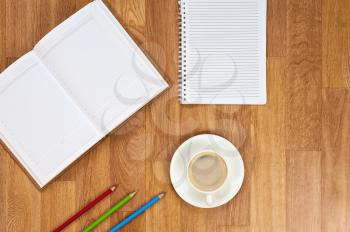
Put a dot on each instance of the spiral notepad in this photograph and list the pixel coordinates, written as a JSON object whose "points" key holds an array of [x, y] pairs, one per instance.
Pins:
{"points": [[222, 51]]}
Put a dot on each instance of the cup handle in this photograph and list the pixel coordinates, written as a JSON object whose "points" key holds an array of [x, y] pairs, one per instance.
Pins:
{"points": [[209, 199]]}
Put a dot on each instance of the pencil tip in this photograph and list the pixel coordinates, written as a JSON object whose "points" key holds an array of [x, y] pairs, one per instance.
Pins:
{"points": [[133, 194], [113, 187], [162, 195]]}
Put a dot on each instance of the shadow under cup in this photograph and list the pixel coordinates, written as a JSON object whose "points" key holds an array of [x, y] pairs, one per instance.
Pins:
{"points": [[207, 171]]}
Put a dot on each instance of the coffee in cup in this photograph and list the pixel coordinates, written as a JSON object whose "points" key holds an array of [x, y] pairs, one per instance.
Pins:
{"points": [[207, 171]]}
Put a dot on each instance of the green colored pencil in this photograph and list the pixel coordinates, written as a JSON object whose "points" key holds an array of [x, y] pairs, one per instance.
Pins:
{"points": [[109, 212]]}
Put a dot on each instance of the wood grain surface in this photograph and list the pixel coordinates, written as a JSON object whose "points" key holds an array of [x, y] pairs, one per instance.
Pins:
{"points": [[295, 148]]}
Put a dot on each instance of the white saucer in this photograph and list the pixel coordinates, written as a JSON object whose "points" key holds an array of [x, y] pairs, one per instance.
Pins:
{"points": [[194, 145]]}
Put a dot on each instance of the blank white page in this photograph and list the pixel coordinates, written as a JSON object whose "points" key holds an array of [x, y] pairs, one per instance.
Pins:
{"points": [[39, 122], [224, 51], [100, 66]]}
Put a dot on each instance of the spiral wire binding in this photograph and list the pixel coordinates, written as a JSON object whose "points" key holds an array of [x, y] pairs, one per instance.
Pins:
{"points": [[182, 50]]}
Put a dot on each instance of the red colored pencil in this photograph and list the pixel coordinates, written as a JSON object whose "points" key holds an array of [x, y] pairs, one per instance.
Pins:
{"points": [[85, 209]]}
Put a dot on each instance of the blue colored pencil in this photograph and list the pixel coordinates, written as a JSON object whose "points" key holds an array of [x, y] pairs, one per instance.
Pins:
{"points": [[137, 213]]}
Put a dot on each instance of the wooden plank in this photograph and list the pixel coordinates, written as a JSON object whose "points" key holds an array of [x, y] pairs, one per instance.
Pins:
{"points": [[162, 114], [336, 45], [23, 200], [165, 216], [57, 205], [4, 156], [304, 75], [4, 161], [128, 147], [277, 28], [92, 178], [196, 219], [51, 13], [336, 160], [128, 160], [21, 22], [81, 3], [132, 15], [235, 124], [303, 191], [233, 229], [2, 35], [268, 209]]}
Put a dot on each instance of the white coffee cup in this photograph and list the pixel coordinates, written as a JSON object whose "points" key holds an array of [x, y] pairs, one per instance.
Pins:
{"points": [[207, 172]]}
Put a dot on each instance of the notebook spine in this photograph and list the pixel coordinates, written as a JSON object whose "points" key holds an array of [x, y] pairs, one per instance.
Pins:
{"points": [[182, 50]]}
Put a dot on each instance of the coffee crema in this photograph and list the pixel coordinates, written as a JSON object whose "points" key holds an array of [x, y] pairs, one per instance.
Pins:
{"points": [[207, 171]]}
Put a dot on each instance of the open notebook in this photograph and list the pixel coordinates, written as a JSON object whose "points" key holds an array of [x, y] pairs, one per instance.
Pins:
{"points": [[82, 80], [222, 51]]}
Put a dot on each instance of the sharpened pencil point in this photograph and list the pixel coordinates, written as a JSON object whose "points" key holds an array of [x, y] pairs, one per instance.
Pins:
{"points": [[162, 195], [133, 194], [113, 187]]}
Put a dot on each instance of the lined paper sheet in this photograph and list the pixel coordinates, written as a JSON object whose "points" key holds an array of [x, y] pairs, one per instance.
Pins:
{"points": [[223, 51]]}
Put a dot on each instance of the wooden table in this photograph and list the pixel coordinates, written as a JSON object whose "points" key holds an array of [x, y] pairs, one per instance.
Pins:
{"points": [[295, 148]]}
